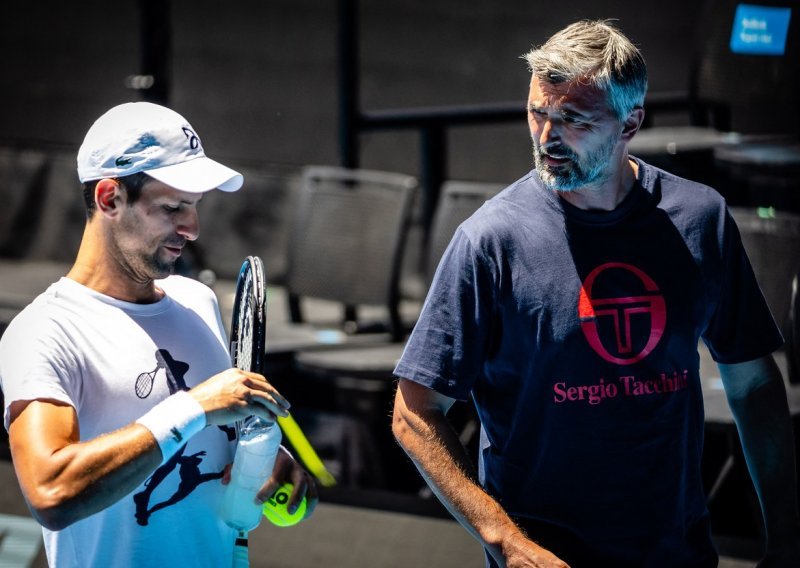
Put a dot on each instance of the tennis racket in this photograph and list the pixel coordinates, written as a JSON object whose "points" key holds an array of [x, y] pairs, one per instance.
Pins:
{"points": [[249, 324], [248, 330], [248, 336], [247, 346]]}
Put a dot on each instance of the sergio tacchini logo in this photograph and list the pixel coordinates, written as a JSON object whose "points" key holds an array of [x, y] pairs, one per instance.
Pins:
{"points": [[621, 310]]}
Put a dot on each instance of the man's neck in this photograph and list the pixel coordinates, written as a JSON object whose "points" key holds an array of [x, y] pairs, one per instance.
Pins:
{"points": [[95, 268]]}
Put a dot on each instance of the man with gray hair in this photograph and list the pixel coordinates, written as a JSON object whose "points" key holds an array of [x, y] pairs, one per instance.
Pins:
{"points": [[569, 308]]}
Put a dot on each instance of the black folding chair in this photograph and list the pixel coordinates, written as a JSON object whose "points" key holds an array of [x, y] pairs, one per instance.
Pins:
{"points": [[362, 376], [345, 246]]}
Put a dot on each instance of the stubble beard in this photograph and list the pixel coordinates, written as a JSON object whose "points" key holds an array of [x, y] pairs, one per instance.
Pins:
{"points": [[145, 262], [577, 172], [158, 268], [149, 265]]}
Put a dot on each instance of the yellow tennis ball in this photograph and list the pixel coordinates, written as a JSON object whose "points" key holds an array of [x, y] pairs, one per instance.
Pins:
{"points": [[274, 508]]}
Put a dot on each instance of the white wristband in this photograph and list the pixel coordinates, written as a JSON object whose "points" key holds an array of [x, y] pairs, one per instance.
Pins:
{"points": [[173, 421]]}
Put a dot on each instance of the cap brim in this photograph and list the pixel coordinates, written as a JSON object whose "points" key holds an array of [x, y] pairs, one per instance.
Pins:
{"points": [[198, 176]]}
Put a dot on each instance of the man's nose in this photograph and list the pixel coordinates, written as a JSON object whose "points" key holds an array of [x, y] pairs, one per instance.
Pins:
{"points": [[189, 224], [549, 132]]}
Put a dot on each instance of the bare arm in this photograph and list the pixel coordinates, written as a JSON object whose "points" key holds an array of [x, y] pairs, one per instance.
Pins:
{"points": [[757, 397], [65, 480], [422, 429]]}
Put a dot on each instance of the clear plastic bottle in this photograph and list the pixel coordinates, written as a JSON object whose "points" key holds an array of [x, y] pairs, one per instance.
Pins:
{"points": [[256, 449]]}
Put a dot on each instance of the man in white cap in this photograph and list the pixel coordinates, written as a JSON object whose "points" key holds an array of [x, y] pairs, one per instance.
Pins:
{"points": [[117, 380]]}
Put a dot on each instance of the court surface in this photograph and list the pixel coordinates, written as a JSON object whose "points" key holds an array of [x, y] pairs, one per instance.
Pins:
{"points": [[336, 536]]}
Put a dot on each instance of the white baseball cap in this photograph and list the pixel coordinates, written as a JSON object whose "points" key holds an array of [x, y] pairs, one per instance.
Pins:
{"points": [[145, 137]]}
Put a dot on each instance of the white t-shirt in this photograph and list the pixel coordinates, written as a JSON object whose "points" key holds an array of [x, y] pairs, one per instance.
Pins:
{"points": [[113, 361]]}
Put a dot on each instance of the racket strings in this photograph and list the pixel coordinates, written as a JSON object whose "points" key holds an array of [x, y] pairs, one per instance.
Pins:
{"points": [[246, 315], [243, 347]]}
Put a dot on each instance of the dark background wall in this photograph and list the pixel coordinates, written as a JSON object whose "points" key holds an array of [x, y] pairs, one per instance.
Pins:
{"points": [[258, 79]]}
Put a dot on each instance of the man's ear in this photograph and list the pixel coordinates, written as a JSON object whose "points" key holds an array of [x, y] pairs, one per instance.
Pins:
{"points": [[108, 197], [632, 123]]}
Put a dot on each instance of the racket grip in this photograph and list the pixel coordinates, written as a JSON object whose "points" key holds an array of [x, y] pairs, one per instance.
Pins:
{"points": [[241, 556], [293, 433]]}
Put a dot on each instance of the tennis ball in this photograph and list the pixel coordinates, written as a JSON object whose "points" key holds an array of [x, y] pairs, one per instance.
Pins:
{"points": [[275, 507]]}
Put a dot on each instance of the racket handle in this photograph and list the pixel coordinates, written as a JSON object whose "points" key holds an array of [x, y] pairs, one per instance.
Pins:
{"points": [[293, 433], [241, 556]]}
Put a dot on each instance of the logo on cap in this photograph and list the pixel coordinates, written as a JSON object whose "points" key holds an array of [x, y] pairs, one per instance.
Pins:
{"points": [[194, 140], [617, 316], [122, 161]]}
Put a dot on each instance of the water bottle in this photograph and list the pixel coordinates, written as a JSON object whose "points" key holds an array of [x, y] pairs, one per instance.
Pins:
{"points": [[256, 449]]}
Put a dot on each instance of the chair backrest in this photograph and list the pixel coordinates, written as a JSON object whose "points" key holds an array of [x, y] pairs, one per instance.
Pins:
{"points": [[346, 239], [459, 200], [724, 85], [772, 243], [258, 223], [61, 217], [747, 81], [23, 180]]}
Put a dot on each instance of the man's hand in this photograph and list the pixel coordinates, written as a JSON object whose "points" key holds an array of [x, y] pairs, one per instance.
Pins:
{"points": [[519, 551], [422, 430], [234, 394], [288, 470]]}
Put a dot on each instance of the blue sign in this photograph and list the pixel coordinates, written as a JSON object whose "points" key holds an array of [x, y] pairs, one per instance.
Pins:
{"points": [[760, 30]]}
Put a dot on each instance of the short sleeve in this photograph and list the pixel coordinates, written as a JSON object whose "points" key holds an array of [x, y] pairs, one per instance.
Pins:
{"points": [[742, 327], [34, 362], [449, 343]]}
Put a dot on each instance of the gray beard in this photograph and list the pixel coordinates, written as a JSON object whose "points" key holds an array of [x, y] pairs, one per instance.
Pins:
{"points": [[577, 173]]}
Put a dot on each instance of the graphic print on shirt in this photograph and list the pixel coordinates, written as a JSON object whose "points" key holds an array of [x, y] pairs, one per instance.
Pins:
{"points": [[188, 466], [616, 315], [623, 316]]}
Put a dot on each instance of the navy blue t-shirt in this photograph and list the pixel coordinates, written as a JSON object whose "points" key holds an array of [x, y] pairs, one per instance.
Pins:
{"points": [[576, 334]]}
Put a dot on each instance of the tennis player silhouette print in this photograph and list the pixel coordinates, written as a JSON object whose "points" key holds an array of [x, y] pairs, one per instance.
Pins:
{"points": [[189, 473]]}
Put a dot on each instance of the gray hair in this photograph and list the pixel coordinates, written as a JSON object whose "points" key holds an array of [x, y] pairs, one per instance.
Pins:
{"points": [[594, 53]]}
